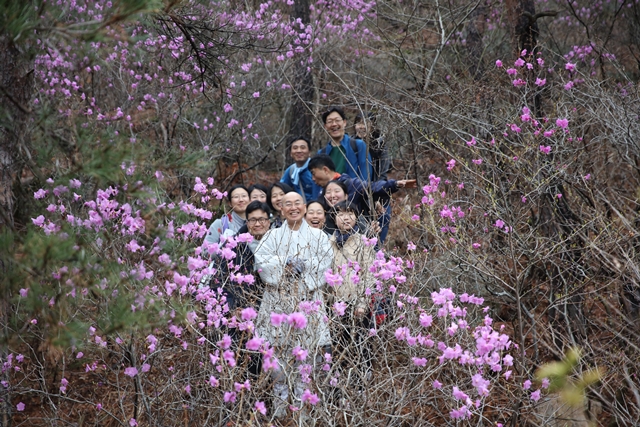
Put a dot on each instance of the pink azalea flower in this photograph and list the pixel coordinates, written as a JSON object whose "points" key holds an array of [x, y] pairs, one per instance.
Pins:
{"points": [[498, 63], [426, 320], [261, 407], [535, 396], [254, 343], [339, 307], [249, 314], [309, 397], [451, 164], [546, 149], [562, 123], [20, 407], [297, 320], [419, 361], [300, 353], [131, 371], [278, 318]]}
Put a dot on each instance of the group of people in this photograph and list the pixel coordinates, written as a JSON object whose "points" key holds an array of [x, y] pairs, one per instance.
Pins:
{"points": [[310, 222]]}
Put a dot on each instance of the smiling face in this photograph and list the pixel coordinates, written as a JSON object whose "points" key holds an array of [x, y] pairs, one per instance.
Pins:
{"points": [[239, 200], [334, 194], [276, 198], [335, 126], [321, 176], [257, 223], [345, 220], [300, 152], [361, 129], [293, 209], [315, 215], [258, 195]]}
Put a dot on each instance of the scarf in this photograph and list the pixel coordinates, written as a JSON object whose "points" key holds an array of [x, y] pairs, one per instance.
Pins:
{"points": [[341, 238], [236, 222], [295, 172]]}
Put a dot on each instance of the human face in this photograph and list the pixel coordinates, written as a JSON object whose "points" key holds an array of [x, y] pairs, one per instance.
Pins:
{"points": [[315, 215], [276, 198], [361, 129], [345, 220], [293, 208], [321, 176], [257, 223], [258, 195], [300, 151], [335, 126], [334, 194], [239, 200]]}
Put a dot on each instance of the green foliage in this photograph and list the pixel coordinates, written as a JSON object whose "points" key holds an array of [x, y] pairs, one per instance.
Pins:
{"points": [[566, 379]]}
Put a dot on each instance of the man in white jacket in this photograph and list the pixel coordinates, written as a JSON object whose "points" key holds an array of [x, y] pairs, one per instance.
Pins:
{"points": [[292, 261]]}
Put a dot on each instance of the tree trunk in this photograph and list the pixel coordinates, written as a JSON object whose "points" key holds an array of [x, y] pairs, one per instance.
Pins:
{"points": [[15, 93], [301, 113], [524, 28], [475, 45]]}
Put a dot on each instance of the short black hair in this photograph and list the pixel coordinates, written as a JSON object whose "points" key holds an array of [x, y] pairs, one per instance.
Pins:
{"points": [[234, 188], [257, 205], [281, 185], [299, 138], [333, 110], [260, 187], [367, 114], [321, 160], [346, 206], [318, 202]]}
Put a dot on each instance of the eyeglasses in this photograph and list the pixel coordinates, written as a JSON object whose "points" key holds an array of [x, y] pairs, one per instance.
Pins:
{"points": [[254, 221], [334, 122], [290, 204], [239, 197]]}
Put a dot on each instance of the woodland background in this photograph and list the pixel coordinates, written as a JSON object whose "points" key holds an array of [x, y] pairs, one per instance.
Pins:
{"points": [[536, 103]]}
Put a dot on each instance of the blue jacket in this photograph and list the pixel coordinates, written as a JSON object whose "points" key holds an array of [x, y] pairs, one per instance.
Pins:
{"points": [[310, 188], [358, 164]]}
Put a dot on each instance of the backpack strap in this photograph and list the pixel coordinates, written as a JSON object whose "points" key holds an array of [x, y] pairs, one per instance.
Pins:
{"points": [[225, 223], [354, 145]]}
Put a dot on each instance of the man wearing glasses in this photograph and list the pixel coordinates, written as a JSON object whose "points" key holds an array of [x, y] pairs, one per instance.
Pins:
{"points": [[240, 290], [349, 155]]}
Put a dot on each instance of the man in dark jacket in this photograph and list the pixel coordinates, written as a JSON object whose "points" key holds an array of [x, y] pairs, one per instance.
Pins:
{"points": [[239, 291], [323, 171]]}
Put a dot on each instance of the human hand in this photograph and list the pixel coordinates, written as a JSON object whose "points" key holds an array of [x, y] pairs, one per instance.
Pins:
{"points": [[295, 265], [407, 183], [380, 210], [374, 228]]}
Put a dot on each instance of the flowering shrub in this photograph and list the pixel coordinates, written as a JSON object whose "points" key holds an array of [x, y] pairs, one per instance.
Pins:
{"points": [[132, 315], [520, 243]]}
